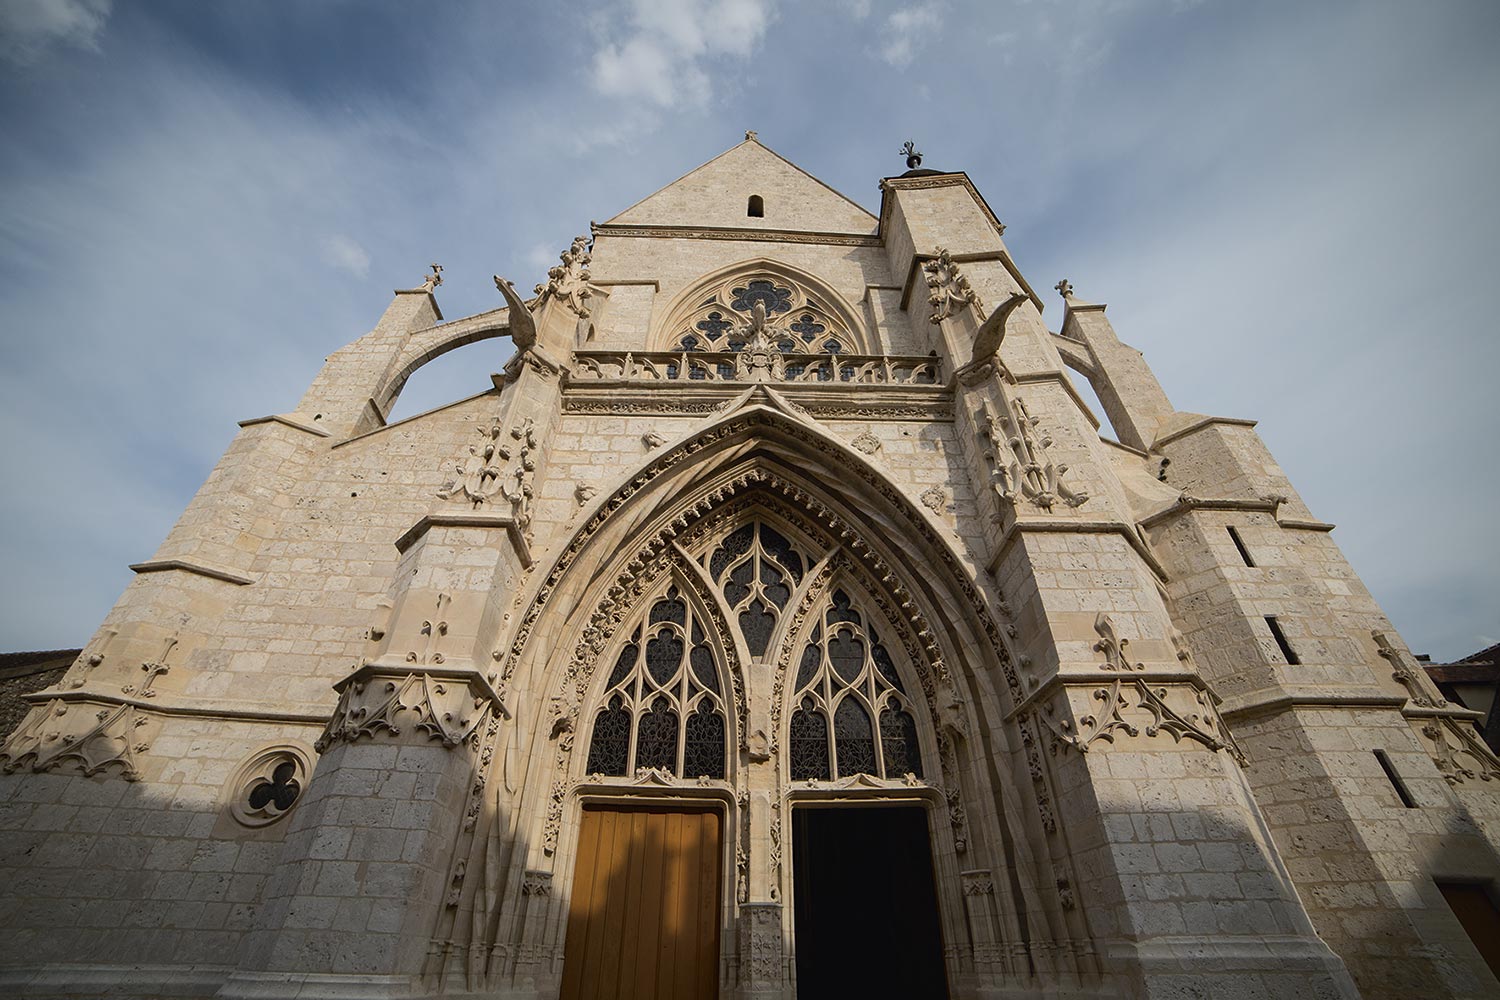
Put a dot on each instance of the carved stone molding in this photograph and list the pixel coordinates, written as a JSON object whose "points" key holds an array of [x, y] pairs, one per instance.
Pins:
{"points": [[977, 882], [1129, 708], [446, 706], [568, 282], [1459, 752], [1405, 670], [866, 442], [1112, 646], [82, 737]]}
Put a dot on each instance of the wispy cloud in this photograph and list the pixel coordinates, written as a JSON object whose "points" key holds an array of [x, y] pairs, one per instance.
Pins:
{"points": [[674, 48], [345, 254], [29, 28], [909, 28]]}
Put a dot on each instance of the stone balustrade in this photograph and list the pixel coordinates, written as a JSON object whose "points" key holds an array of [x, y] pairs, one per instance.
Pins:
{"points": [[725, 366]]}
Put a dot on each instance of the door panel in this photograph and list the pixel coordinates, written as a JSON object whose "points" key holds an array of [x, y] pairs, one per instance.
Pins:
{"points": [[643, 920]]}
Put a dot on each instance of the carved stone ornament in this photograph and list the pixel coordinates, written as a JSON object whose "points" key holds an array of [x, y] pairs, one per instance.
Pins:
{"points": [[761, 360], [934, 498], [568, 282], [760, 944], [1408, 673], [88, 738], [431, 281], [583, 492], [948, 290], [652, 440], [1130, 707], [536, 883], [1021, 463], [1459, 752], [978, 882], [266, 786], [1114, 648], [866, 443], [416, 704], [478, 476]]}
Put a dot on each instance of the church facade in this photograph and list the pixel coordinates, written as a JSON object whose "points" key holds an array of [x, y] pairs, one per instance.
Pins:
{"points": [[778, 625]]}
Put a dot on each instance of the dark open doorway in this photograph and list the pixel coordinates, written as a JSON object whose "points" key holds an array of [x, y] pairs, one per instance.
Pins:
{"points": [[866, 908]]}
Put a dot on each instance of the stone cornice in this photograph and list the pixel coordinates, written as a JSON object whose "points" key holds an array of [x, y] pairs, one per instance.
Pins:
{"points": [[167, 704], [739, 234], [1198, 425], [296, 425], [1185, 505], [1082, 676], [918, 259], [956, 179], [1060, 525], [468, 519], [188, 566], [1280, 699]]}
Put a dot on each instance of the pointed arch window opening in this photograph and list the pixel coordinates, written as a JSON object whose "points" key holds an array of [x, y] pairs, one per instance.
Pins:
{"points": [[851, 715], [663, 705], [757, 568], [801, 324]]}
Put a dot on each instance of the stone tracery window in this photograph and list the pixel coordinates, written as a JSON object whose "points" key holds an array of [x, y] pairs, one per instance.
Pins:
{"points": [[846, 674], [757, 568], [663, 704], [801, 324]]}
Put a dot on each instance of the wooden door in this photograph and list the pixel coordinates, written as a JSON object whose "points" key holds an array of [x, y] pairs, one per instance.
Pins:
{"points": [[643, 920]]}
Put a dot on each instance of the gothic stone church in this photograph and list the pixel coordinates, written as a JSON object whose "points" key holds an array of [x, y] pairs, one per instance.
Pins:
{"points": [[778, 625]]}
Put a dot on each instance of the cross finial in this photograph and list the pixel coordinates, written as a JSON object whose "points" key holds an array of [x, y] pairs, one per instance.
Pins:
{"points": [[913, 158], [434, 279], [1064, 288], [752, 135]]}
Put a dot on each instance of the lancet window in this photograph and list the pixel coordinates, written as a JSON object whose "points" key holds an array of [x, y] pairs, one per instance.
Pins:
{"points": [[664, 704], [852, 715], [757, 568], [799, 324]]}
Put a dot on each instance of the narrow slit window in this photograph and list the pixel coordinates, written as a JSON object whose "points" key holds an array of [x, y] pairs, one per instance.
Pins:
{"points": [[1395, 779], [1239, 543], [1280, 637], [756, 208]]}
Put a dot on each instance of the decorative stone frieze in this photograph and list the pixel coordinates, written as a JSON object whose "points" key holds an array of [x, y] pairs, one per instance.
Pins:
{"points": [[81, 736], [1080, 717], [387, 703]]}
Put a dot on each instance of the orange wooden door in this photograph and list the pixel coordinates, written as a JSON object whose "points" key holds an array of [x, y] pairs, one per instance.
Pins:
{"points": [[643, 920]]}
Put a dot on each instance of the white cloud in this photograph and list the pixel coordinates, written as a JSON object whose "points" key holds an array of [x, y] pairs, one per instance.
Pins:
{"points": [[908, 29], [345, 254], [28, 28], [857, 9], [668, 54]]}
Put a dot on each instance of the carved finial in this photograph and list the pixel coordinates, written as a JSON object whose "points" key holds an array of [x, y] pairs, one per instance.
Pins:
{"points": [[434, 279], [913, 158], [751, 135], [1064, 288]]}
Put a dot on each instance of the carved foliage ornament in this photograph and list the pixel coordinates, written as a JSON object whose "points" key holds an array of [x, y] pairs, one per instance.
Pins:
{"points": [[375, 705], [1114, 648], [948, 291], [1020, 458], [1458, 751], [88, 738], [569, 281], [1130, 707], [1406, 671]]}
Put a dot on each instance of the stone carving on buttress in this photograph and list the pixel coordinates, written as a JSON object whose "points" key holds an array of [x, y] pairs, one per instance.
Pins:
{"points": [[568, 282], [948, 291], [1021, 464], [485, 474]]}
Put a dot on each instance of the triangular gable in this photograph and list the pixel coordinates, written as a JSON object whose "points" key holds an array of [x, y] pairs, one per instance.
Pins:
{"points": [[717, 194]]}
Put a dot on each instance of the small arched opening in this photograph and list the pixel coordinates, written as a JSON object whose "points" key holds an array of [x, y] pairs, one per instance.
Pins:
{"points": [[756, 209]]}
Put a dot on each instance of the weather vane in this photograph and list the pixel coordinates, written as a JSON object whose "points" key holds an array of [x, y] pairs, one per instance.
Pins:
{"points": [[913, 158]]}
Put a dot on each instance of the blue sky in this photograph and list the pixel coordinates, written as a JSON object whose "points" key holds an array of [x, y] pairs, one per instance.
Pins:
{"points": [[1291, 208]]}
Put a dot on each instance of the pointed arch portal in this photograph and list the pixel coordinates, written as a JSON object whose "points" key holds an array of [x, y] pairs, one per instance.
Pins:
{"points": [[753, 640]]}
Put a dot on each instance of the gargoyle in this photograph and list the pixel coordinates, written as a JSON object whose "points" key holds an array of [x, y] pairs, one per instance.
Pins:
{"points": [[522, 323], [992, 332]]}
